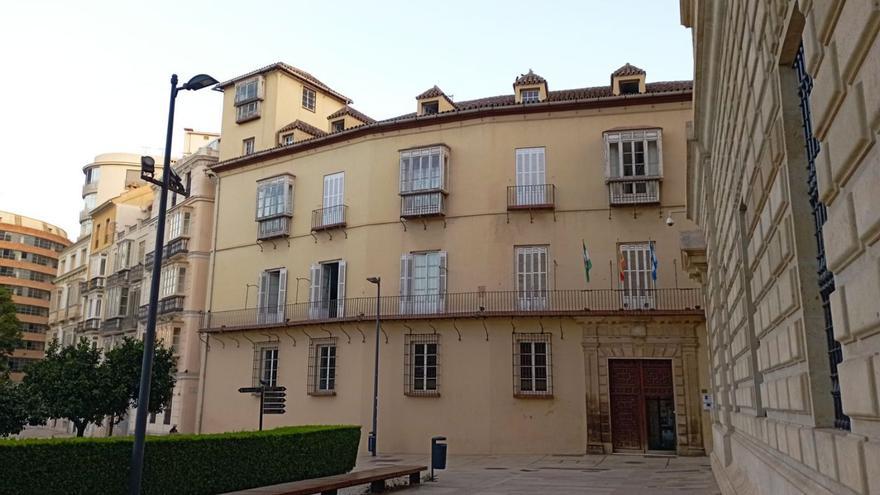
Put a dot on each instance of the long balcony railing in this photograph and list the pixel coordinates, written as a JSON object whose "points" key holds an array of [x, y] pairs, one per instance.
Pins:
{"points": [[602, 302], [633, 190], [534, 197], [331, 217]]}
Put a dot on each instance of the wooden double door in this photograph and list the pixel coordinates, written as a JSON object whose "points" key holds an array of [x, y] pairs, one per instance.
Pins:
{"points": [[642, 405]]}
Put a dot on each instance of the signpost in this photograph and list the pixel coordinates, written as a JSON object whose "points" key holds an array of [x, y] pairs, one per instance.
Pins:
{"points": [[272, 399]]}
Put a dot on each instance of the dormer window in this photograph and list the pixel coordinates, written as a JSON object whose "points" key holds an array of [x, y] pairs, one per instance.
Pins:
{"points": [[287, 139], [430, 107], [309, 97], [630, 87], [530, 96], [337, 125], [628, 80]]}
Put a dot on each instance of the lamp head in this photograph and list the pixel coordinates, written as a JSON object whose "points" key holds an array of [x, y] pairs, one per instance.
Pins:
{"points": [[148, 164], [199, 81], [669, 221], [374, 280]]}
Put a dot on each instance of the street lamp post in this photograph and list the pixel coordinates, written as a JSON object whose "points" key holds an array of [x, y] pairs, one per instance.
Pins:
{"points": [[169, 181], [371, 442]]}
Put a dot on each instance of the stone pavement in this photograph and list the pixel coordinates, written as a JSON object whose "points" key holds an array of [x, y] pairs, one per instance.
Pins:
{"points": [[557, 474]]}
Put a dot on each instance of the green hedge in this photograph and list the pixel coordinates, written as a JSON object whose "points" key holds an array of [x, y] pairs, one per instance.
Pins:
{"points": [[185, 464]]}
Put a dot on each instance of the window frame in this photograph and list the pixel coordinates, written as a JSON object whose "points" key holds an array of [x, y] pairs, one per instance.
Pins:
{"points": [[337, 125], [262, 352], [248, 146], [530, 95], [432, 182], [644, 136], [427, 302], [415, 346], [274, 220], [532, 339], [318, 385], [309, 95], [287, 139]]}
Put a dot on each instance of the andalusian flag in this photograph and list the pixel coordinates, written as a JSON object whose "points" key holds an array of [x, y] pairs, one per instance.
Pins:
{"points": [[588, 263]]}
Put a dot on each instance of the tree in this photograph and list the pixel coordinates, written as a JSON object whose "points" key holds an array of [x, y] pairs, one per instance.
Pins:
{"points": [[10, 331], [69, 383], [13, 410], [123, 364]]}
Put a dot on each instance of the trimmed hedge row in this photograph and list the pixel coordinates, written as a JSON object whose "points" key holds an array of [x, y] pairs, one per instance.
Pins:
{"points": [[185, 464]]}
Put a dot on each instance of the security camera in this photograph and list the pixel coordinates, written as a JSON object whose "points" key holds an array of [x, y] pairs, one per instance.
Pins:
{"points": [[669, 221]]}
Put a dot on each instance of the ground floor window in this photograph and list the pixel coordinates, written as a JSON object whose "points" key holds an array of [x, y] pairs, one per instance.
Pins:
{"points": [[265, 365], [421, 363], [322, 366], [532, 371]]}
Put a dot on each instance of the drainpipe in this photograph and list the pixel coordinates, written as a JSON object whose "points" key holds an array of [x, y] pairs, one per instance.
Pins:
{"points": [[200, 401]]}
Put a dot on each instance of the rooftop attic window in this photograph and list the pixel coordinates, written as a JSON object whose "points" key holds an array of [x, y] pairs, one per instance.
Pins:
{"points": [[430, 107], [530, 96], [337, 125], [630, 87]]}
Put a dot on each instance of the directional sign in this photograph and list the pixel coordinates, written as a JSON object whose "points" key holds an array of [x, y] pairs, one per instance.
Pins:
{"points": [[273, 411], [275, 389], [249, 390], [274, 400]]}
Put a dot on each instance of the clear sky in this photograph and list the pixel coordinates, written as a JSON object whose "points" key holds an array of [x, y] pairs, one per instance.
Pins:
{"points": [[87, 77]]}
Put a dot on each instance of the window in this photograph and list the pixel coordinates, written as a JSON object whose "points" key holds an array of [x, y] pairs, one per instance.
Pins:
{"points": [[334, 192], [423, 169], [272, 296], [637, 275], [322, 366], [530, 177], [309, 98], [630, 87], [142, 251], [265, 365], [532, 371], [337, 125], [93, 175], [248, 111], [287, 139], [247, 90], [430, 107], [274, 207], [179, 224], [531, 277], [8, 254], [423, 282], [89, 201], [421, 364], [529, 96], [247, 146], [123, 259], [633, 166], [327, 290], [107, 231], [173, 278], [175, 341]]}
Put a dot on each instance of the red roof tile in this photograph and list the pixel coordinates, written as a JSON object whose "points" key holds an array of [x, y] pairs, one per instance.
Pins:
{"points": [[529, 78], [302, 126], [627, 70], [293, 71], [432, 93], [347, 110]]}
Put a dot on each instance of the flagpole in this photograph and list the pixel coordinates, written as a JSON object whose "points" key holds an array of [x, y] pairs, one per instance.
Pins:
{"points": [[610, 275]]}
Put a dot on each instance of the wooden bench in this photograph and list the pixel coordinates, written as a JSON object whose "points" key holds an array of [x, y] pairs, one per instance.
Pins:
{"points": [[329, 484]]}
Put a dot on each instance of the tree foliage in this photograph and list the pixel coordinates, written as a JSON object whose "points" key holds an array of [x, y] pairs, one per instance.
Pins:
{"points": [[123, 364], [13, 408], [10, 330]]}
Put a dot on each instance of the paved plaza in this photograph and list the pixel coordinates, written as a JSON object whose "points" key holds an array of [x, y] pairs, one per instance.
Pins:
{"points": [[556, 474]]}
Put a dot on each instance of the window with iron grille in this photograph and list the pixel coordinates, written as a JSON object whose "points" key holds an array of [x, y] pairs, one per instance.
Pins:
{"points": [[422, 365], [322, 366], [532, 369], [824, 277], [265, 364]]}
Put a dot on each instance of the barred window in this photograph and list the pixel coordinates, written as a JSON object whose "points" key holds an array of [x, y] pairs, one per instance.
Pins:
{"points": [[322, 366], [532, 370], [422, 365], [265, 365]]}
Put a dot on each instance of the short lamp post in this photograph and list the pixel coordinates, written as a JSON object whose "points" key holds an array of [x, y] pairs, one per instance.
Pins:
{"points": [[371, 441], [172, 181]]}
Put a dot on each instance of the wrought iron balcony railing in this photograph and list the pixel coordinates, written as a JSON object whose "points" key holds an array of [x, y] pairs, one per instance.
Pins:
{"points": [[633, 190], [602, 302], [174, 248], [331, 217], [119, 324], [148, 260], [91, 324], [535, 197], [170, 304], [137, 273], [427, 204], [94, 284], [119, 278]]}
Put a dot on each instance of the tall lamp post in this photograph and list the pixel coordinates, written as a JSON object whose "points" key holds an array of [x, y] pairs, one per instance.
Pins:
{"points": [[169, 180], [371, 441]]}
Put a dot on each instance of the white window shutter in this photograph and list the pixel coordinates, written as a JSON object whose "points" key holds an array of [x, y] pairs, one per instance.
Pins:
{"points": [[340, 291], [660, 153], [405, 281], [288, 197], [443, 280], [262, 295], [260, 88], [520, 167], [315, 291], [282, 295]]}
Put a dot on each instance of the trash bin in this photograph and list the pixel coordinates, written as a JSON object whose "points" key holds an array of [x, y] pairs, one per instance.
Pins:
{"points": [[438, 454]]}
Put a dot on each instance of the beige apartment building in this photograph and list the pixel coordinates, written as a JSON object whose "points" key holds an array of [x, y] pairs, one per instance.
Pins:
{"points": [[474, 214], [783, 172], [28, 260]]}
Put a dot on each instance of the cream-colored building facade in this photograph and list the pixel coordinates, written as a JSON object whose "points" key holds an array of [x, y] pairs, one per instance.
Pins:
{"points": [[783, 172], [474, 214]]}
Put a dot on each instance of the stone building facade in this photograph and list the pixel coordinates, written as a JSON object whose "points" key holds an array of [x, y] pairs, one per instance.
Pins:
{"points": [[782, 172]]}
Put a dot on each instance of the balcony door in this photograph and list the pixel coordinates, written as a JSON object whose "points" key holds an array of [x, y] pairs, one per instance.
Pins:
{"points": [[334, 188], [531, 278], [272, 296], [423, 282], [636, 281], [530, 177], [327, 294]]}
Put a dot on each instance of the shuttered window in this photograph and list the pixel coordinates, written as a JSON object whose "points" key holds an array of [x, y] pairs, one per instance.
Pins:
{"points": [[423, 282], [636, 281], [272, 296], [327, 290], [531, 277]]}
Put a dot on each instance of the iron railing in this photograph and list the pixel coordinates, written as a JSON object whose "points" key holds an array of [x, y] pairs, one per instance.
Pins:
{"points": [[137, 273], [118, 278], [539, 196], [92, 284], [175, 247], [119, 324], [330, 217], [91, 324], [633, 190], [425, 204], [171, 304], [148, 260], [467, 304]]}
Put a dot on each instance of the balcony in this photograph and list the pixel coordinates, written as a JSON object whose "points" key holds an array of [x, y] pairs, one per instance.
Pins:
{"points": [[170, 304], [92, 324], [273, 227], [94, 283], [535, 197], [136, 273], [148, 260], [84, 214], [119, 278], [604, 302], [142, 312], [174, 248], [633, 191], [332, 217], [425, 204], [89, 188], [119, 324]]}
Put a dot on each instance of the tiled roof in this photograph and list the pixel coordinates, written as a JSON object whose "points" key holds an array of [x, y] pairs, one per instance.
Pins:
{"points": [[627, 70], [293, 71], [432, 93], [347, 110], [302, 126], [529, 78]]}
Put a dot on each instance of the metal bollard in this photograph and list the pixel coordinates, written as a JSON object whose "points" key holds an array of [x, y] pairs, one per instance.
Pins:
{"points": [[438, 454]]}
